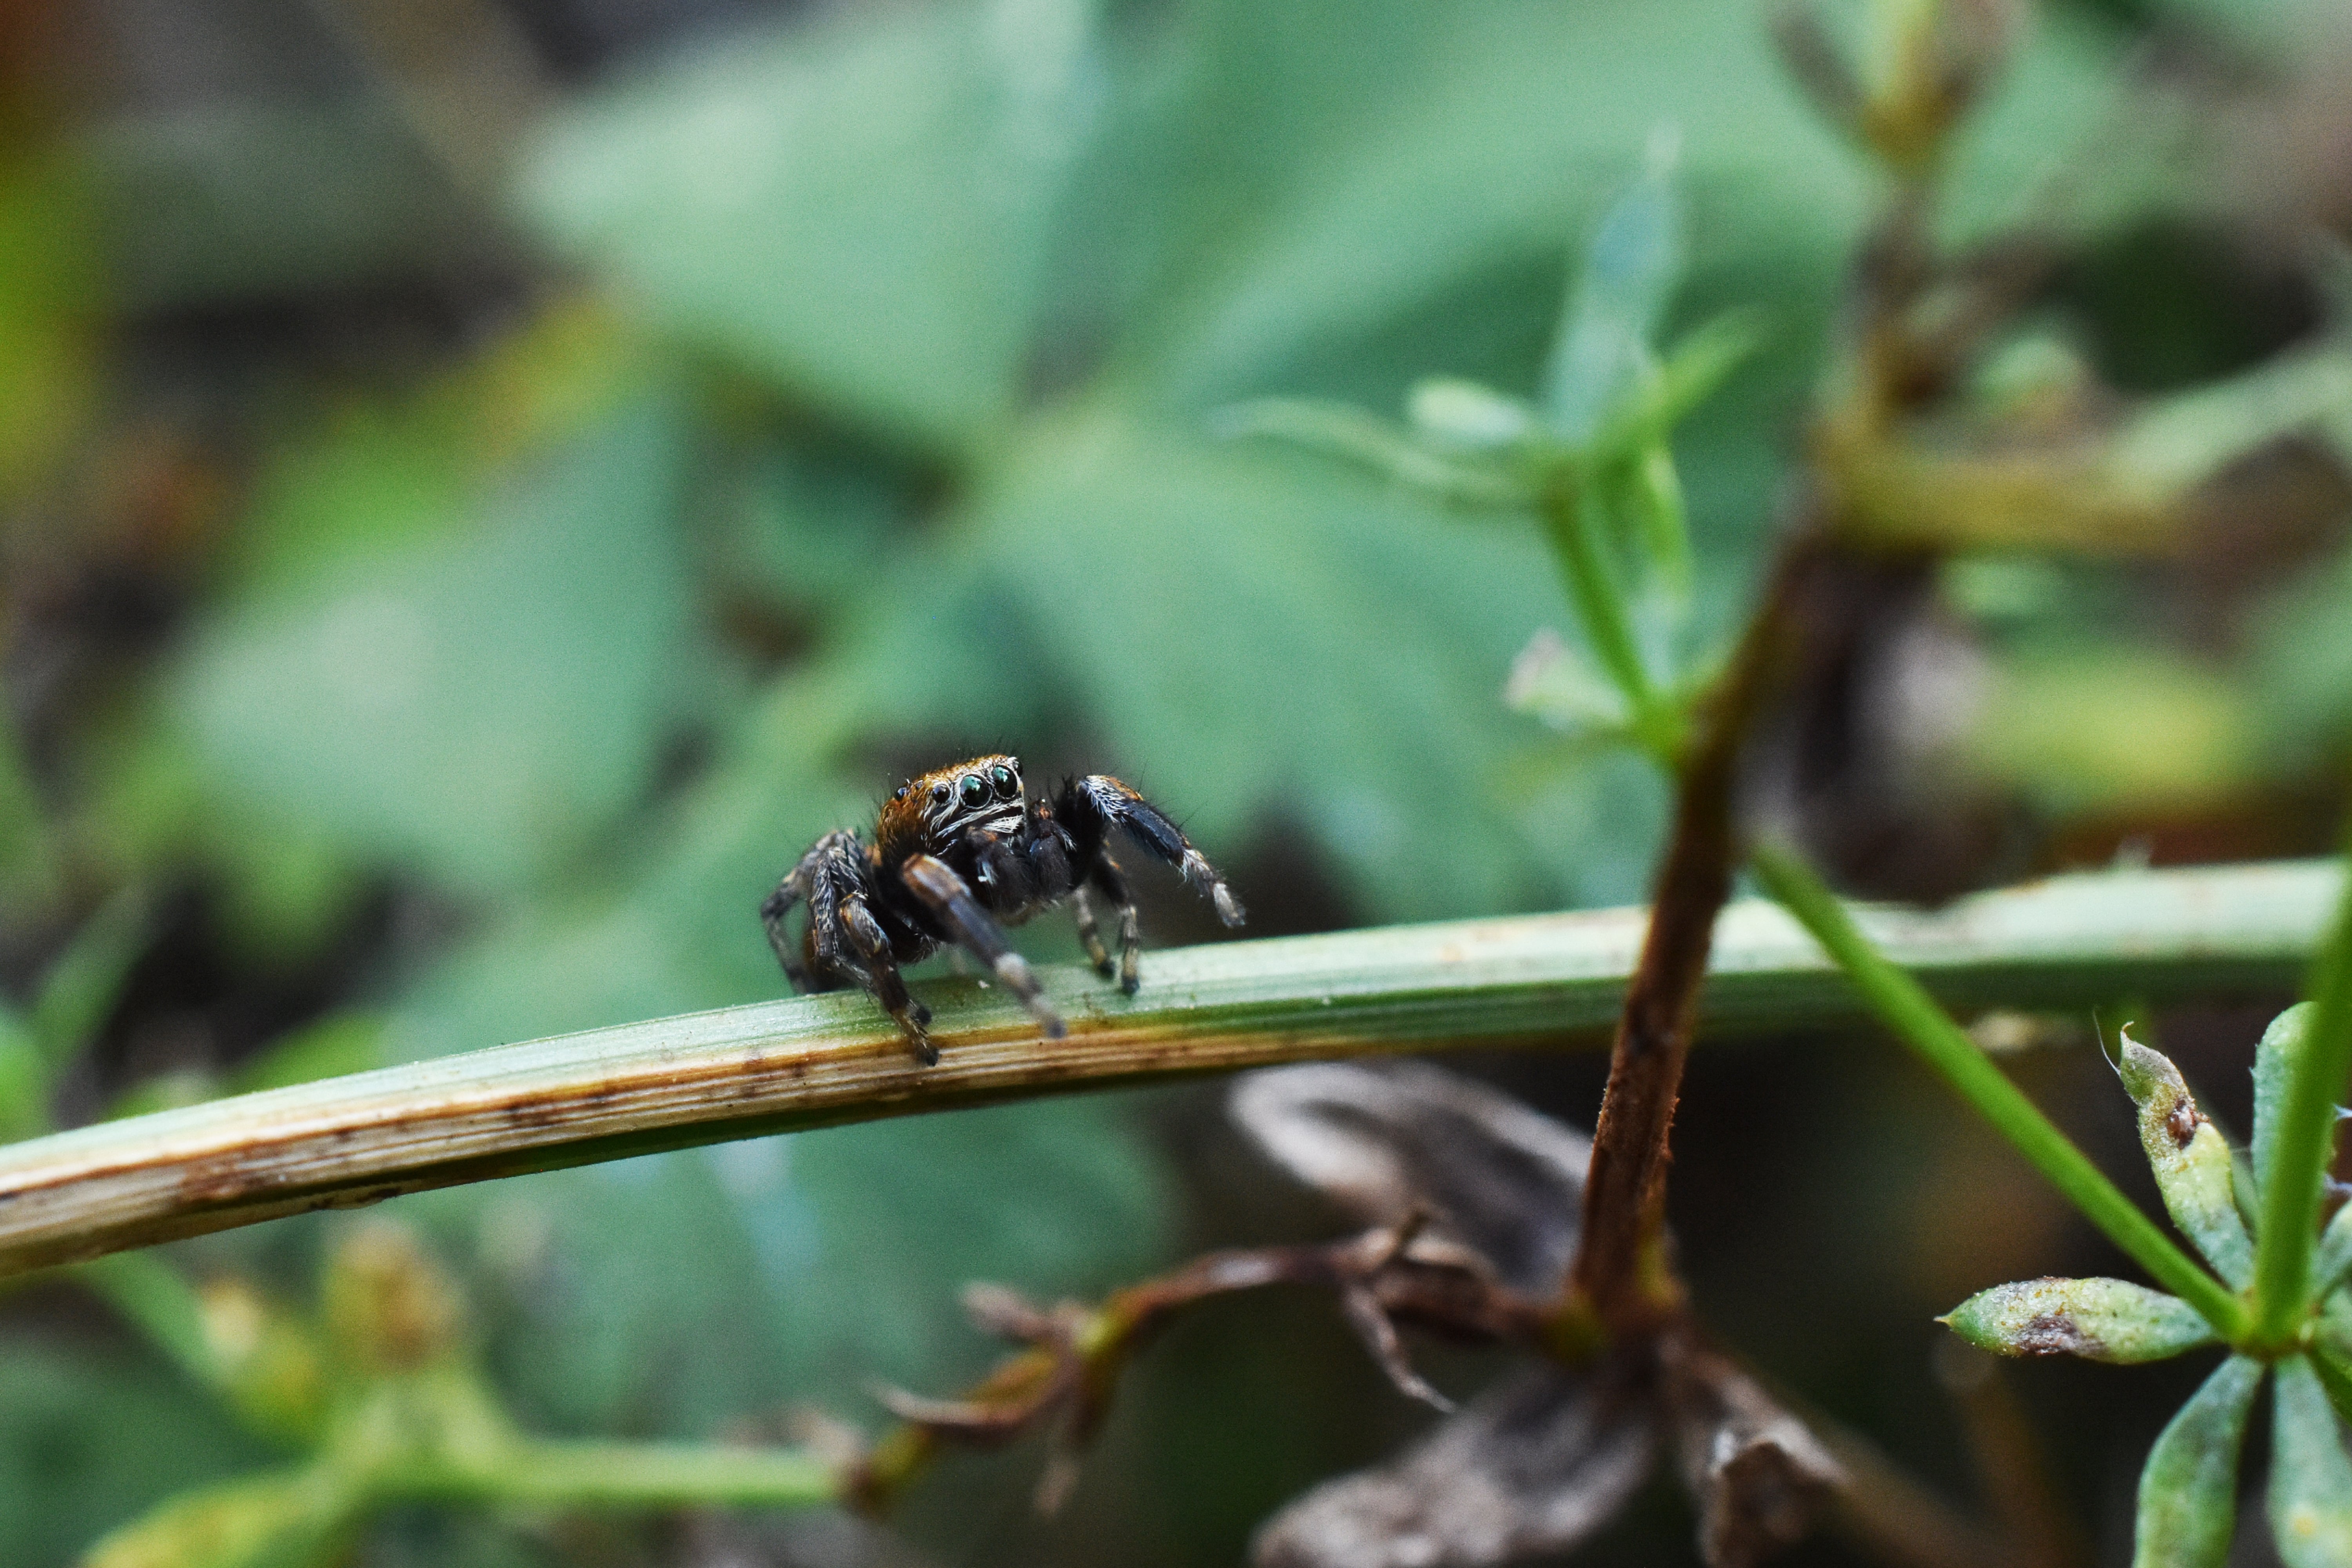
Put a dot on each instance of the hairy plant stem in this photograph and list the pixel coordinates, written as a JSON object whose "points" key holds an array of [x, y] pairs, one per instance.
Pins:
{"points": [[1620, 1276], [2306, 1143], [1929, 1030]]}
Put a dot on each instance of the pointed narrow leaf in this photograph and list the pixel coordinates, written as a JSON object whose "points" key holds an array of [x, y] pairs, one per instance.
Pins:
{"points": [[1556, 684], [2274, 1062], [1700, 360], [2335, 1378], [2311, 1476], [1467, 415], [2188, 1491], [276, 1521], [1342, 430], [1631, 268], [82, 986], [1654, 494], [2244, 1188], [2098, 1319], [2191, 1159], [2334, 1259], [24, 1080]]}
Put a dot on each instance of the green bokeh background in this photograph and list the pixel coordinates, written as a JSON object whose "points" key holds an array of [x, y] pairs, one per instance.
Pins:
{"points": [[485, 488]]}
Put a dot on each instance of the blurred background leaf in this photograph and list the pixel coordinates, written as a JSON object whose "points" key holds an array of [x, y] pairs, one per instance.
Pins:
{"points": [[485, 486]]}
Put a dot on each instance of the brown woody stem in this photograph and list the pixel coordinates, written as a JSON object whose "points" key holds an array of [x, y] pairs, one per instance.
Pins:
{"points": [[1619, 1275]]}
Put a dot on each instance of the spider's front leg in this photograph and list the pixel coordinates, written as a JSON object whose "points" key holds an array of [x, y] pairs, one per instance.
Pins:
{"points": [[936, 883], [872, 945], [1091, 806]]}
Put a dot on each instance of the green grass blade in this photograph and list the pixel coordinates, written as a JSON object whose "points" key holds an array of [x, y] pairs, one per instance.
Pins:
{"points": [[1553, 980]]}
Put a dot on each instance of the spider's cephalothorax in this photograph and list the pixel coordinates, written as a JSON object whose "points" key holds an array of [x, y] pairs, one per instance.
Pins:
{"points": [[958, 855]]}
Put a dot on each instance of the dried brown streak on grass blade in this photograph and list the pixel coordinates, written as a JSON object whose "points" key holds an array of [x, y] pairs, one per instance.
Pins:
{"points": [[815, 1061]]}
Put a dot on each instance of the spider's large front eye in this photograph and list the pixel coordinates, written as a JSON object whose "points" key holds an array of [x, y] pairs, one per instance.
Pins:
{"points": [[1008, 784], [975, 790]]}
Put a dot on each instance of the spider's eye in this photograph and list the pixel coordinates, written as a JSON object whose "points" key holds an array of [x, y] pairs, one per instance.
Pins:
{"points": [[976, 789], [938, 794], [901, 795], [1007, 782]]}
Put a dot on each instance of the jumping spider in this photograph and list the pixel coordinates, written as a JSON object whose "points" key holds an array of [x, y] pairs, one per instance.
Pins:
{"points": [[958, 855]]}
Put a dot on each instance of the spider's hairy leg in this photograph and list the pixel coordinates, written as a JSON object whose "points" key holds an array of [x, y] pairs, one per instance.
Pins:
{"points": [[889, 987], [1082, 909], [834, 864], [1112, 804], [1108, 880], [939, 887], [772, 910]]}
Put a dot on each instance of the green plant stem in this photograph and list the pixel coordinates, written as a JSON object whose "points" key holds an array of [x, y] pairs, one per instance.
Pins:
{"points": [[632, 1475], [1571, 511], [2304, 1143], [1904, 1007], [811, 1061]]}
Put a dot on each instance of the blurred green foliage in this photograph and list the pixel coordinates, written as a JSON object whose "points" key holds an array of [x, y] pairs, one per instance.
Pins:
{"points": [[857, 411]]}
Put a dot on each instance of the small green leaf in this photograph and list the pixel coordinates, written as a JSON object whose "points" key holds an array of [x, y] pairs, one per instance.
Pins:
{"points": [[2113, 727], [1631, 269], [152, 1295], [2188, 1490], [1343, 430], [2191, 1159], [2179, 442], [2334, 1376], [1465, 414], [2311, 1476], [2334, 1258], [80, 987], [27, 856], [2099, 1320], [2274, 1059], [1700, 360], [338, 1044], [281, 1521], [24, 1080], [1654, 494], [1553, 682]]}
